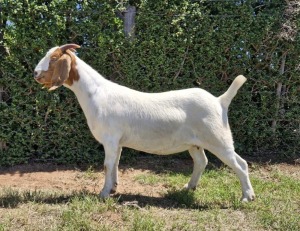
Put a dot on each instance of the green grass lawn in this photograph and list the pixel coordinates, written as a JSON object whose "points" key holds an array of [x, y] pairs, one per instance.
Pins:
{"points": [[215, 205]]}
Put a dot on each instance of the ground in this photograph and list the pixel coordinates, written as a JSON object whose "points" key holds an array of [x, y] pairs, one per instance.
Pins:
{"points": [[62, 178], [149, 197]]}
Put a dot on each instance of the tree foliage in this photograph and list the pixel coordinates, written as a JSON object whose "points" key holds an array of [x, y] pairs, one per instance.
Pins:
{"points": [[177, 44]]}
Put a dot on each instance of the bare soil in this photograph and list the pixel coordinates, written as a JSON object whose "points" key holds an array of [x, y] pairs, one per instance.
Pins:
{"points": [[71, 179]]}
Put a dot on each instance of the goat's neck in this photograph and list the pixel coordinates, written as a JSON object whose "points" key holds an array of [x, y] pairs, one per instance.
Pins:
{"points": [[90, 83]]}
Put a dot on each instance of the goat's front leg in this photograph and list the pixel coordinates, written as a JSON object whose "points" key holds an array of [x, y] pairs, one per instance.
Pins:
{"points": [[112, 155], [115, 177]]}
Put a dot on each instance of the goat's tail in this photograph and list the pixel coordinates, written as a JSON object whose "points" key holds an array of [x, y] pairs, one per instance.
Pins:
{"points": [[232, 90]]}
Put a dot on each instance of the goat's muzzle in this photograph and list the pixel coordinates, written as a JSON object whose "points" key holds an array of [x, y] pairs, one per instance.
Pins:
{"points": [[37, 77], [40, 78]]}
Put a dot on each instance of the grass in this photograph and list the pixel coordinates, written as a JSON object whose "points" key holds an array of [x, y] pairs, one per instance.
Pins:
{"points": [[214, 205]]}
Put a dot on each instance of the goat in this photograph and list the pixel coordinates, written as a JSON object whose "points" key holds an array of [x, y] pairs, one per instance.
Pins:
{"points": [[158, 123]]}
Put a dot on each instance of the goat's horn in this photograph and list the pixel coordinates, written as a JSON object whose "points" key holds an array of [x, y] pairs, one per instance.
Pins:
{"points": [[69, 46]]}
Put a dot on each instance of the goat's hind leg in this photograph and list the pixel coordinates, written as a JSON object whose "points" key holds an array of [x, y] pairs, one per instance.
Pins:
{"points": [[240, 167], [200, 162]]}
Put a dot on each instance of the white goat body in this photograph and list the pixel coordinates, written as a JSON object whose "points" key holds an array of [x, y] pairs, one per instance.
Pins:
{"points": [[158, 123]]}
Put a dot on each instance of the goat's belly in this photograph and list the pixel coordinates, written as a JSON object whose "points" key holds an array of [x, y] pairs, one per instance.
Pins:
{"points": [[163, 151], [163, 140], [161, 148], [168, 151]]}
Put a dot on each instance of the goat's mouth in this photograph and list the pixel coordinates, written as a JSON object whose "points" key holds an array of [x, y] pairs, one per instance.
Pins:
{"points": [[47, 85], [38, 80], [41, 80], [38, 77]]}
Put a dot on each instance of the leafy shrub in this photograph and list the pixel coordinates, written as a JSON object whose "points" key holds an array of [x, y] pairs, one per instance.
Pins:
{"points": [[177, 44]]}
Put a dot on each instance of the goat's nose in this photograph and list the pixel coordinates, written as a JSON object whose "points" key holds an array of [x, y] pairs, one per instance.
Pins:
{"points": [[35, 74]]}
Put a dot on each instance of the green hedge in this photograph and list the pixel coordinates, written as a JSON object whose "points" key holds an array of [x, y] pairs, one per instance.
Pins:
{"points": [[177, 44]]}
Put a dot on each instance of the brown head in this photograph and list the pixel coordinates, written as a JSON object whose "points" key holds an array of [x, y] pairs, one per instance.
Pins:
{"points": [[58, 67]]}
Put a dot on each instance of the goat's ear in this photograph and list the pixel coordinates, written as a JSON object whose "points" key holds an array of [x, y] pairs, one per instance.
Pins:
{"points": [[61, 71], [71, 46]]}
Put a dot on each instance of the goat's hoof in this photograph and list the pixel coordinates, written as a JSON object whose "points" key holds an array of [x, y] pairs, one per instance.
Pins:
{"points": [[104, 195], [113, 190], [248, 198], [187, 187]]}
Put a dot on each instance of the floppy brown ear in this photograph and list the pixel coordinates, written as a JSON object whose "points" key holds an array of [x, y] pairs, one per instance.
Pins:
{"points": [[61, 71]]}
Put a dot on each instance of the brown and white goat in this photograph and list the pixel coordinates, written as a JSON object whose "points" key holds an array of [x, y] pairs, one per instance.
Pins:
{"points": [[158, 123]]}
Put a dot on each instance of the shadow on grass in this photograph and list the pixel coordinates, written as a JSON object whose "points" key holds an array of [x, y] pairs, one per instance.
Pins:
{"points": [[13, 198], [172, 200], [175, 199]]}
